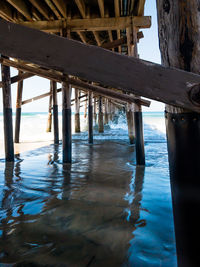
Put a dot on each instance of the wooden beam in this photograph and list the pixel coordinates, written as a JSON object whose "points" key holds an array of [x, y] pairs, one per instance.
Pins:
{"points": [[97, 24], [19, 78], [53, 8], [97, 38], [117, 8], [81, 7], [6, 11], [82, 36], [58, 77], [141, 7], [99, 65], [61, 6], [41, 7], [101, 8], [114, 43], [22, 7]]}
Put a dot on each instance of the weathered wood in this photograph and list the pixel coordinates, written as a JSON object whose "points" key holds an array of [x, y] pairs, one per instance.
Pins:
{"points": [[85, 109], [18, 109], [100, 116], [61, 6], [111, 70], [22, 7], [114, 43], [49, 120], [55, 112], [97, 24], [95, 111], [41, 7], [90, 118], [19, 78], [56, 76], [106, 111], [81, 7], [179, 30], [53, 8], [130, 123], [66, 121], [6, 11], [77, 112], [7, 113]]}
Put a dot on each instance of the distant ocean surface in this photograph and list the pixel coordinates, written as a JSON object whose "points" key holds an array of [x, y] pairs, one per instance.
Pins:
{"points": [[33, 127], [102, 210]]}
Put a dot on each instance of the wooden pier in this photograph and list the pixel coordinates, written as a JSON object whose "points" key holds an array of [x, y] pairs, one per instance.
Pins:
{"points": [[99, 59]]}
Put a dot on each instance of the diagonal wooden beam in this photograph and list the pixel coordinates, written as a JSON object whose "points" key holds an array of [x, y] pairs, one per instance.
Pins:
{"points": [[61, 6], [19, 78], [58, 77], [114, 44], [6, 11], [81, 6], [97, 38], [22, 7], [172, 86], [41, 7], [101, 8], [53, 8], [82, 36]]}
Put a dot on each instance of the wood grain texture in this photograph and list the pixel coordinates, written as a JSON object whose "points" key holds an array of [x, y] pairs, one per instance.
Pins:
{"points": [[139, 77]]}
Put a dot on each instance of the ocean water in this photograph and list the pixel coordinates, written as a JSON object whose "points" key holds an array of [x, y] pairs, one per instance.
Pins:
{"points": [[102, 210]]}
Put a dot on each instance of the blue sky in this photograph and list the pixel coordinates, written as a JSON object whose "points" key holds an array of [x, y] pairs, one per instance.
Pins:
{"points": [[148, 49]]}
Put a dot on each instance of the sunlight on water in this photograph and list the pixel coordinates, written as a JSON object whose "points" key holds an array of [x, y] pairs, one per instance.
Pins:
{"points": [[100, 211]]}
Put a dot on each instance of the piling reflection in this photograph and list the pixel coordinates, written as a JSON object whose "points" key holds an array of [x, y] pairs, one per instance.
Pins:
{"points": [[79, 214]]}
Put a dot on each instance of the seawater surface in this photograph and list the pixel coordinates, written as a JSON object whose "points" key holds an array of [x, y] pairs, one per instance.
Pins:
{"points": [[101, 210]]}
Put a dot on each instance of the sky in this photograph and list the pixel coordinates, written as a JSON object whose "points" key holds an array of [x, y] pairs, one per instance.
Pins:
{"points": [[148, 49]]}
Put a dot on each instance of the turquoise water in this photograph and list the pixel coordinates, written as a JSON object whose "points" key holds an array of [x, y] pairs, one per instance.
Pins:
{"points": [[101, 210]]}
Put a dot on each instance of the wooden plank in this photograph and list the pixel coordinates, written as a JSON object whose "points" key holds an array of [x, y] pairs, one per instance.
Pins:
{"points": [[168, 85], [41, 7], [21, 6], [97, 24]]}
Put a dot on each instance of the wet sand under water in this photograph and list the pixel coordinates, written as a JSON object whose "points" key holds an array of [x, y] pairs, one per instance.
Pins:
{"points": [[101, 210]]}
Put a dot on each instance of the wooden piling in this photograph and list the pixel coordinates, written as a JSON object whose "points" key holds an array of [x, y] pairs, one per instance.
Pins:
{"points": [[95, 111], [85, 110], [49, 120], [181, 41], [77, 112], [90, 118], [136, 118], [139, 139], [7, 113], [100, 116], [66, 121], [106, 111], [18, 108], [130, 122], [55, 112]]}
